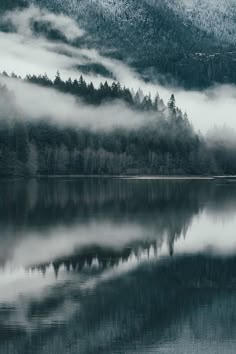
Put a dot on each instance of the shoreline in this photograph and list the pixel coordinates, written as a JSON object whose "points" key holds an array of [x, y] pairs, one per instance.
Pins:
{"points": [[124, 177]]}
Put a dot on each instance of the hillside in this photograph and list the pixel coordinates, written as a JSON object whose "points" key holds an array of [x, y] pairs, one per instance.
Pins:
{"points": [[191, 42]]}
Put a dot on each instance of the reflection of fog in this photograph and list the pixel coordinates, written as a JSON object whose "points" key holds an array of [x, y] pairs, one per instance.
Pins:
{"points": [[63, 241], [56, 283], [86, 262], [60, 217], [158, 303]]}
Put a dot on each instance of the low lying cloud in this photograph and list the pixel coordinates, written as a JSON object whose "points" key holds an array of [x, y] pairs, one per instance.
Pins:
{"points": [[215, 106], [65, 109], [22, 22], [24, 52]]}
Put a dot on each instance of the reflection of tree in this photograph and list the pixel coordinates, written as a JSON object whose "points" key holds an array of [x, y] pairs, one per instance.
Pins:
{"points": [[158, 295], [124, 309], [165, 207], [46, 203], [97, 259], [135, 308]]}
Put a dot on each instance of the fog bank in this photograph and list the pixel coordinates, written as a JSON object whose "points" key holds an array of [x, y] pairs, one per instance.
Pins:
{"points": [[65, 109], [25, 52]]}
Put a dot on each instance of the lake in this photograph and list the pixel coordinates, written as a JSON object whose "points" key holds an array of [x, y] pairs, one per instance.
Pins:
{"points": [[108, 265]]}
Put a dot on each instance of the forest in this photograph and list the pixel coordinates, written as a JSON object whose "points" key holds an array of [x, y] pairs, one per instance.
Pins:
{"points": [[167, 146]]}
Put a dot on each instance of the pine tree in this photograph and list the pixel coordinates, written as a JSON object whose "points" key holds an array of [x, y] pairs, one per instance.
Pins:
{"points": [[156, 104], [172, 103], [58, 83], [172, 107]]}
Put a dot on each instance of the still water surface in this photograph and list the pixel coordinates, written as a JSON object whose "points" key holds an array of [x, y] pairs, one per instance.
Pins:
{"points": [[117, 266]]}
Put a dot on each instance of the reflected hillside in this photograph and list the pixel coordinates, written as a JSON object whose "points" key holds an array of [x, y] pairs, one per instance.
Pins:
{"points": [[87, 262], [97, 259], [157, 299], [61, 218], [51, 202], [54, 202]]}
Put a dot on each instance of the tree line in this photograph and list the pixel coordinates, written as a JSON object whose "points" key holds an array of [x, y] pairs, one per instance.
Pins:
{"points": [[169, 145], [96, 96]]}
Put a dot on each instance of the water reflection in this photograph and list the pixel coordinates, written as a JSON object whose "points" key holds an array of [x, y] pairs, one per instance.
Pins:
{"points": [[85, 266]]}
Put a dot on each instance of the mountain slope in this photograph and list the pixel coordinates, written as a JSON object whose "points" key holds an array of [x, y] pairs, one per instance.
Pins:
{"points": [[215, 17], [190, 41]]}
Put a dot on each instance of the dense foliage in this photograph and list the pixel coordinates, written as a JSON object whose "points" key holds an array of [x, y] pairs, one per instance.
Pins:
{"points": [[193, 45], [168, 145], [189, 42]]}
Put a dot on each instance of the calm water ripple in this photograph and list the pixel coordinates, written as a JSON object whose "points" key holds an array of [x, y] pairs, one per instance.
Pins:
{"points": [[117, 266]]}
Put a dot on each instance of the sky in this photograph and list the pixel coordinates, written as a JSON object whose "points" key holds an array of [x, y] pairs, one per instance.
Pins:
{"points": [[24, 52]]}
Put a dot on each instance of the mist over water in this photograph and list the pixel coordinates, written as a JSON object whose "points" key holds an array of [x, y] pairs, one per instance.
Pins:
{"points": [[155, 256], [96, 265]]}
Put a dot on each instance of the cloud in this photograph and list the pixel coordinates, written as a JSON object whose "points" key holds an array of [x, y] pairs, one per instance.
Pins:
{"points": [[37, 56], [23, 21], [25, 53], [215, 106], [64, 109]]}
